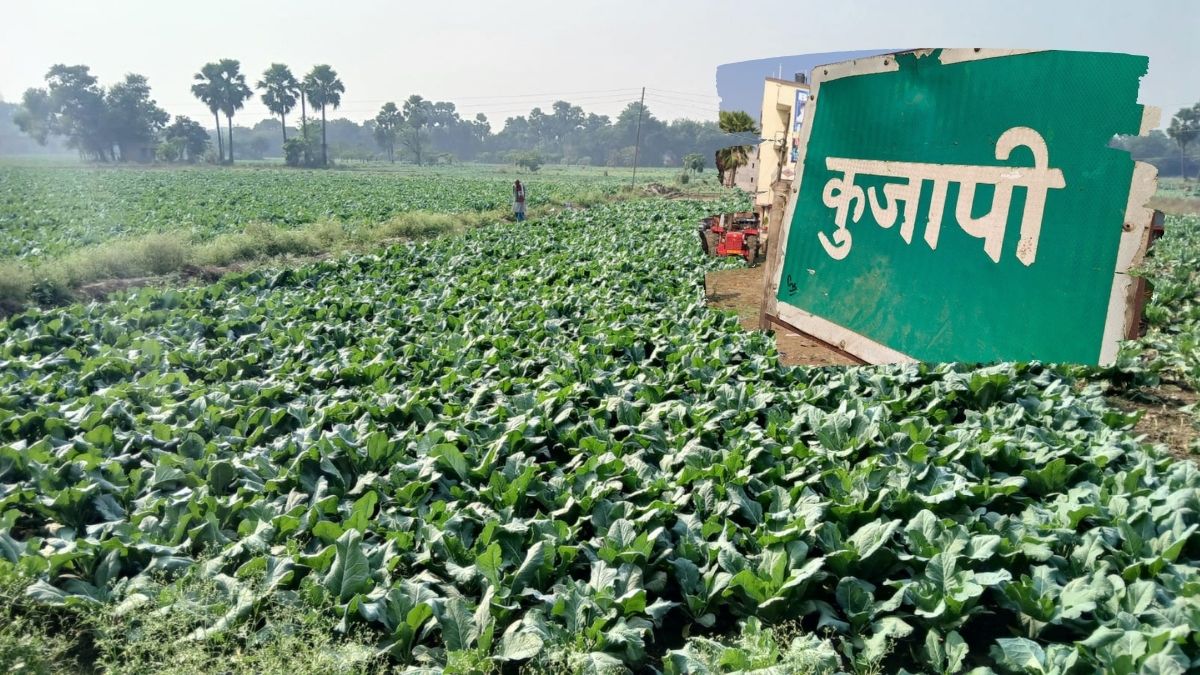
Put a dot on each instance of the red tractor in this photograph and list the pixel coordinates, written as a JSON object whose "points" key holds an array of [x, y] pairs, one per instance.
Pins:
{"points": [[734, 234]]}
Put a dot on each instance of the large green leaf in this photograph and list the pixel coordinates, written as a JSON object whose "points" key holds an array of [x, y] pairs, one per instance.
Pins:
{"points": [[350, 572]]}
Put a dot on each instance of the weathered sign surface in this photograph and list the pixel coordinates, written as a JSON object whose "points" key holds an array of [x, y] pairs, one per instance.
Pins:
{"points": [[964, 205]]}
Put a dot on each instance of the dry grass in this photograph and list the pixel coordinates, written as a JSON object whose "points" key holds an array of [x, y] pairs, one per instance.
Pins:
{"points": [[137, 261], [16, 284]]}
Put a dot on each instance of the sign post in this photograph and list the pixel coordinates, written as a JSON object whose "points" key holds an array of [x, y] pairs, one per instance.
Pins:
{"points": [[965, 205]]}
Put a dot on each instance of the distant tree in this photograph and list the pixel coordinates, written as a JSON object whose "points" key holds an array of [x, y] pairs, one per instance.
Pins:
{"points": [[530, 161], [189, 137], [729, 159], [295, 151], [387, 127], [80, 109], [693, 162], [134, 119], [209, 88], [482, 127], [259, 147], [280, 91], [324, 89], [73, 106], [621, 156], [94, 121], [169, 150], [416, 115], [234, 94], [563, 125], [36, 115], [1184, 128], [303, 111]]}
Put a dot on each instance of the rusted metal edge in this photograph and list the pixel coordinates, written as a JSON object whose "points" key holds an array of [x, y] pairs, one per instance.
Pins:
{"points": [[767, 319], [1123, 317]]}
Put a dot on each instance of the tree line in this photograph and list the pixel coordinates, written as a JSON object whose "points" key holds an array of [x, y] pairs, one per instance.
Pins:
{"points": [[124, 123], [120, 122]]}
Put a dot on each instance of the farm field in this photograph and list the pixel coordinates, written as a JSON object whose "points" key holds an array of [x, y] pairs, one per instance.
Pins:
{"points": [[73, 232], [47, 210], [526, 449]]}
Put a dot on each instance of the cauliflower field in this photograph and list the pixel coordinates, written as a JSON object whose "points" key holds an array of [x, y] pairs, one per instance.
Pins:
{"points": [[533, 448]]}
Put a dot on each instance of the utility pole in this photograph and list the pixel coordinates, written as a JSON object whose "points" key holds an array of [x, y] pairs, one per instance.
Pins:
{"points": [[638, 143]]}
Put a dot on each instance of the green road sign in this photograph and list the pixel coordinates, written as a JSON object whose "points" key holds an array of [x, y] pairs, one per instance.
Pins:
{"points": [[965, 205]]}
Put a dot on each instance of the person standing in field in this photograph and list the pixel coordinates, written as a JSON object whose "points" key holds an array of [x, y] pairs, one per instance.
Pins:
{"points": [[519, 201]]}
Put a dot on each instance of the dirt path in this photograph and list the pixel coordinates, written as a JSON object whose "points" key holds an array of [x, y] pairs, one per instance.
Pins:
{"points": [[1164, 419], [740, 290]]}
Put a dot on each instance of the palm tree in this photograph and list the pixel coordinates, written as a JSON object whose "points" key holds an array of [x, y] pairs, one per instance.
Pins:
{"points": [[1185, 128], [416, 115], [387, 123], [234, 94], [324, 89], [208, 90], [280, 91], [729, 159]]}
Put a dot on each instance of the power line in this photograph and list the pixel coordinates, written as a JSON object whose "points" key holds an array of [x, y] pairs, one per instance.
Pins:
{"points": [[673, 97], [668, 112], [685, 93], [552, 95], [677, 104], [610, 97]]}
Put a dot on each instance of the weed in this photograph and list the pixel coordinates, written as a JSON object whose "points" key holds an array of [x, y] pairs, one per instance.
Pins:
{"points": [[16, 283]]}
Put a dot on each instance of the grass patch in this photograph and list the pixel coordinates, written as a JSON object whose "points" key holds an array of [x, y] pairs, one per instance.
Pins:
{"points": [[52, 282], [36, 638], [424, 225], [150, 255], [166, 633], [16, 284], [256, 242]]}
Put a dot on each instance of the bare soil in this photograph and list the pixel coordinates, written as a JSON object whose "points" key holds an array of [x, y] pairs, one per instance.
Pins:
{"points": [[1163, 418], [741, 291]]}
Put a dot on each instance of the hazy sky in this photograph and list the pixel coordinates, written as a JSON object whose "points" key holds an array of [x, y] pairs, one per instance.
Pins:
{"points": [[502, 58]]}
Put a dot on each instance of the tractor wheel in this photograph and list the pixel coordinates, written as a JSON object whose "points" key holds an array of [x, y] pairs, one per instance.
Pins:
{"points": [[708, 242], [714, 242], [751, 247]]}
